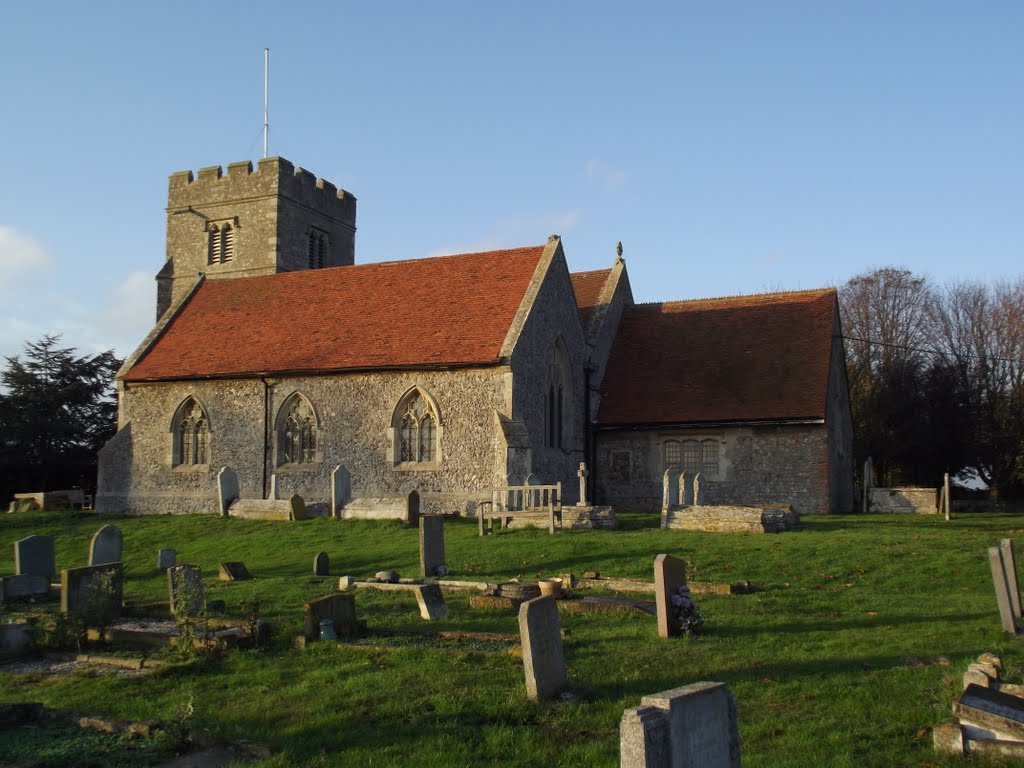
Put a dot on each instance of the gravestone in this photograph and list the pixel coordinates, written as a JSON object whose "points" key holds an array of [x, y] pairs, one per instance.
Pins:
{"points": [[583, 474], [669, 488], [695, 725], [669, 576], [1002, 587], [339, 608], [92, 591], [233, 572], [341, 490], [412, 508], [698, 491], [543, 661], [431, 602], [684, 495], [227, 489], [431, 545], [33, 556], [166, 558], [869, 482], [185, 590], [991, 710], [296, 507], [387, 577], [24, 586], [1012, 582], [321, 564], [105, 546]]}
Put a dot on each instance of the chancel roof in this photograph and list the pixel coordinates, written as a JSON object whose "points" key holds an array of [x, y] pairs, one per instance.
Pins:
{"points": [[588, 286], [736, 359], [442, 311]]}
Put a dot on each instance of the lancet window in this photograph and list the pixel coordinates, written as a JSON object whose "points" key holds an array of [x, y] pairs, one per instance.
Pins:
{"points": [[297, 432], [191, 435], [416, 430]]}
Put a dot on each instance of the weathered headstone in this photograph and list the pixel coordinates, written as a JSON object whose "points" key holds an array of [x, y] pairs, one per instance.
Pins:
{"points": [[431, 602], [33, 556], [341, 489], [24, 586], [991, 710], [166, 558], [1012, 581], [669, 576], [698, 490], [94, 591], [582, 472], [297, 507], [388, 577], [695, 725], [412, 508], [346, 582], [233, 571], [15, 640], [869, 482], [947, 496], [684, 494], [431, 545], [185, 590], [543, 661], [339, 608], [105, 546], [669, 488], [227, 489], [1002, 587], [321, 564]]}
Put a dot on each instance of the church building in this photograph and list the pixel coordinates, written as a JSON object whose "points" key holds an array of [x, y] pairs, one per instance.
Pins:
{"points": [[278, 356]]}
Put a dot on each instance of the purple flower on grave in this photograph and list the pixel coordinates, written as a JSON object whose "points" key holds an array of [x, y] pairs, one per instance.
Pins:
{"points": [[687, 614]]}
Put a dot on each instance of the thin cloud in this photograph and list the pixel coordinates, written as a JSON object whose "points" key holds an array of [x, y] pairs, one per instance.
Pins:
{"points": [[606, 178], [515, 231], [20, 254]]}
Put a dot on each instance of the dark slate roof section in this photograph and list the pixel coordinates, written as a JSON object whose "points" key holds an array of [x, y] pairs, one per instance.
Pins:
{"points": [[588, 286], [434, 312], [737, 359]]}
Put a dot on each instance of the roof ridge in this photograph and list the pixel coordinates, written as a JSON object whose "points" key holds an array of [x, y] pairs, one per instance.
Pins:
{"points": [[807, 292]]}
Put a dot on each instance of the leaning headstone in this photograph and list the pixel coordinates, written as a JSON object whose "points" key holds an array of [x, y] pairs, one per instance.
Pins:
{"points": [[185, 590], [669, 488], [339, 608], [33, 556], [543, 661], [1012, 582], [431, 602], [341, 489], [431, 545], [321, 564], [684, 498], [695, 725], [227, 489], [669, 576], [1002, 587], [296, 507], [412, 508], [698, 491], [105, 546], [166, 558], [233, 571], [94, 591]]}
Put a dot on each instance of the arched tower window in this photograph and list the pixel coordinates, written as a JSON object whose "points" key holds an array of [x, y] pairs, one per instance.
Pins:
{"points": [[317, 248], [557, 396], [297, 430], [190, 435], [416, 427], [221, 243]]}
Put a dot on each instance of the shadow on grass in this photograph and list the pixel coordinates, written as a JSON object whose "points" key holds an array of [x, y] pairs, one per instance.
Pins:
{"points": [[825, 625]]}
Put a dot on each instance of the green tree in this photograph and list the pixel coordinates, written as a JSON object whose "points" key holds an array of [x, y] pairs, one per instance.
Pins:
{"points": [[57, 409]]}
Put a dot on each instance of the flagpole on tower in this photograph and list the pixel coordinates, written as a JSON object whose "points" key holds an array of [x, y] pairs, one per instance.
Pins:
{"points": [[266, 100]]}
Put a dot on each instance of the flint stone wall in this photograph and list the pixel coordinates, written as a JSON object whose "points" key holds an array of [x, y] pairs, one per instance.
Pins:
{"points": [[757, 467], [734, 519], [922, 501], [354, 411]]}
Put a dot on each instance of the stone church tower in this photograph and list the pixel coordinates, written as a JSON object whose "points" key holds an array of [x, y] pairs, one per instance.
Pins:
{"points": [[278, 218]]}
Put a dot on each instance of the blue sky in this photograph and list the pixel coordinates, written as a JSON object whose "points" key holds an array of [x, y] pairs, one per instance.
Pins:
{"points": [[733, 147]]}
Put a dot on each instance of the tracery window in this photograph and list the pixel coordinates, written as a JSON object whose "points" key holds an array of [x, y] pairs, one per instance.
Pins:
{"points": [[673, 453], [693, 456], [297, 432], [191, 435], [317, 248], [555, 423], [416, 430], [221, 244]]}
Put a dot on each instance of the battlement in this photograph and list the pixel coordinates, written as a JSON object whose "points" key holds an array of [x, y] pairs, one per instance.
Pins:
{"points": [[274, 176]]}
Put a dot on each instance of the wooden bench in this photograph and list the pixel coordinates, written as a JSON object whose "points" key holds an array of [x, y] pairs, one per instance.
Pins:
{"points": [[510, 501]]}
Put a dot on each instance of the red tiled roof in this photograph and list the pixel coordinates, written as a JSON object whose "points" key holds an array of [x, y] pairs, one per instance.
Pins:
{"points": [[587, 287], [448, 310], [744, 358]]}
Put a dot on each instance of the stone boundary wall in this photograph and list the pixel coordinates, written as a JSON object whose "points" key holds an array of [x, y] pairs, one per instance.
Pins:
{"points": [[921, 501]]}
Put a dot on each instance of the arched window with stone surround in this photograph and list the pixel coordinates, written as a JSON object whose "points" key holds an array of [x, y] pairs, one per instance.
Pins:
{"points": [[190, 430], [416, 430], [221, 244], [297, 430], [557, 395]]}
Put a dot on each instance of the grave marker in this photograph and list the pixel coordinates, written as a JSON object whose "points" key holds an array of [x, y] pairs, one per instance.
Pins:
{"points": [[339, 608], [92, 590], [991, 710], [684, 496], [166, 558], [233, 571], [1002, 587], [105, 546], [431, 602], [33, 556], [341, 489], [412, 508], [582, 472], [698, 491], [669, 488], [695, 725], [1012, 582], [431, 545], [227, 489], [321, 564], [669, 576], [543, 661], [296, 507], [185, 590]]}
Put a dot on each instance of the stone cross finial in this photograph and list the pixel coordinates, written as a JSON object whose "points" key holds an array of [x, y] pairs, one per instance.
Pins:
{"points": [[583, 473], [618, 250]]}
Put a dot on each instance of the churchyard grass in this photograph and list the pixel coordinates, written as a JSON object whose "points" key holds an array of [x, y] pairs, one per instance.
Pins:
{"points": [[849, 651]]}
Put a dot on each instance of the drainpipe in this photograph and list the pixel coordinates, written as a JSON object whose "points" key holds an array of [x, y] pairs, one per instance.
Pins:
{"points": [[587, 441], [266, 431]]}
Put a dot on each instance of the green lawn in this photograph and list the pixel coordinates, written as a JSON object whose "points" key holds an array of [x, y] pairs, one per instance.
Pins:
{"points": [[838, 659]]}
